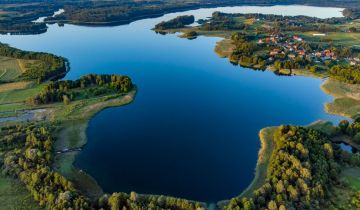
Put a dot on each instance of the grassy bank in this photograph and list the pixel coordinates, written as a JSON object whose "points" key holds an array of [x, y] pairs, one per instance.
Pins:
{"points": [[266, 136], [72, 135], [347, 98]]}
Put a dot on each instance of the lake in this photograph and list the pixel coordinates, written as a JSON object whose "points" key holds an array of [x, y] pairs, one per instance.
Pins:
{"points": [[192, 130]]}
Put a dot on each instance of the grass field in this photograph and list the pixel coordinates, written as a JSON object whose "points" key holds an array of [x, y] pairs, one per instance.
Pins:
{"points": [[224, 48], [347, 98], [323, 126], [11, 68], [352, 177], [19, 95], [338, 38], [13, 195]]}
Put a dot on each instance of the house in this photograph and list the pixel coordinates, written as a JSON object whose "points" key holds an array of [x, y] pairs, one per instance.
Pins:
{"points": [[292, 56], [318, 54], [297, 38], [319, 34], [301, 52]]}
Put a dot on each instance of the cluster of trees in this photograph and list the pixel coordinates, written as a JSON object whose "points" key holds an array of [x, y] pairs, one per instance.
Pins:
{"points": [[221, 21], [190, 34], [27, 154], [245, 51], [45, 65], [352, 130], [92, 84], [283, 23], [301, 171], [117, 201], [346, 73], [178, 22]]}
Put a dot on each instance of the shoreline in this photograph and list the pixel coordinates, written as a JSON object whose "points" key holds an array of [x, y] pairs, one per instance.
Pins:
{"points": [[260, 170], [72, 134], [184, 8]]}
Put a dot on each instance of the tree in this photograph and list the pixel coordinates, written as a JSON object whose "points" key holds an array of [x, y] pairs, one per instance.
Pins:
{"points": [[66, 100], [343, 125]]}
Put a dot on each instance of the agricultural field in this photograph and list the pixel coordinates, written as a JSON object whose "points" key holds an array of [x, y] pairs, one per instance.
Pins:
{"points": [[11, 68]]}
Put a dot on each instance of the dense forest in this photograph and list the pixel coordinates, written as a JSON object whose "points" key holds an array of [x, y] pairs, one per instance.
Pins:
{"points": [[346, 73], [87, 86], [178, 22], [45, 65], [303, 168], [27, 155]]}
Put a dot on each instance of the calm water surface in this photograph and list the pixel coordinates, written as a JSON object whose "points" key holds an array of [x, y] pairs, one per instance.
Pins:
{"points": [[192, 130]]}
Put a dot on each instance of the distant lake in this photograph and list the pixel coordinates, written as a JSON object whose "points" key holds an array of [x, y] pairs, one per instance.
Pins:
{"points": [[192, 131]]}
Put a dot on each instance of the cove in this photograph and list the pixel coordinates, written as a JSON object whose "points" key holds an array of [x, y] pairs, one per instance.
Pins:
{"points": [[192, 131]]}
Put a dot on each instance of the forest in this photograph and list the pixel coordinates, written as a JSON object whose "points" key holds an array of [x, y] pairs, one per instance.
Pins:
{"points": [[45, 65], [87, 86], [304, 166], [178, 22]]}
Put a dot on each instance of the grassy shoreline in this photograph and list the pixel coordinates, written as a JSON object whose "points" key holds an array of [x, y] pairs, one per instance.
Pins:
{"points": [[266, 136], [72, 135]]}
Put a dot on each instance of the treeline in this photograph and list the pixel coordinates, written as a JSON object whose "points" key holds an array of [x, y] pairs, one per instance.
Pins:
{"points": [[27, 155], [245, 52], [17, 18], [118, 201], [178, 22], [225, 21], [89, 85], [346, 73], [301, 172], [351, 129], [45, 65], [221, 21]]}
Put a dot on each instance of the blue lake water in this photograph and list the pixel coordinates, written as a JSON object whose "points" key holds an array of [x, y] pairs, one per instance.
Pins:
{"points": [[192, 130]]}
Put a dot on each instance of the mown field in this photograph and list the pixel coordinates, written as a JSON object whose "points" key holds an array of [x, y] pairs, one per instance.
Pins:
{"points": [[11, 68]]}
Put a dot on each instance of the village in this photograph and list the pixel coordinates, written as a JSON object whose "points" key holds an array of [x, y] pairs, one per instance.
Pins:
{"points": [[294, 47]]}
